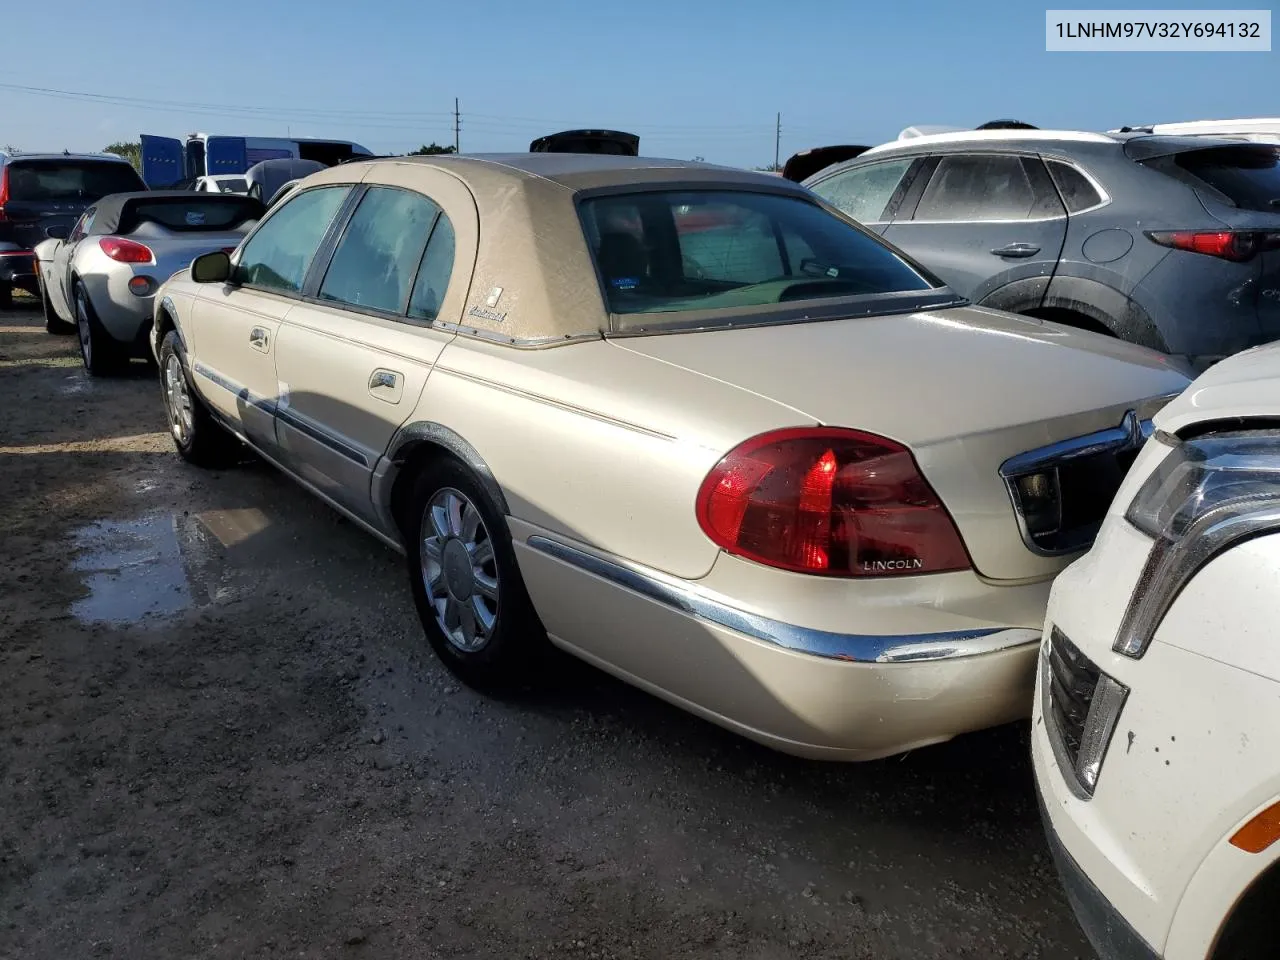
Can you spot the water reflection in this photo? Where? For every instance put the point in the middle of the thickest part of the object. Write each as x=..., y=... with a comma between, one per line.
x=160, y=565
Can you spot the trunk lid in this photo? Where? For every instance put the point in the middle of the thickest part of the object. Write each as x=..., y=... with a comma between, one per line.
x=966, y=389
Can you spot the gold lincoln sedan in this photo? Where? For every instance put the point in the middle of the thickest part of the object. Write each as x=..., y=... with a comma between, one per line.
x=687, y=423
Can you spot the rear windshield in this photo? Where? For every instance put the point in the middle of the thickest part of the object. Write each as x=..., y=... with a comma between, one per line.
x=198, y=213
x=86, y=180
x=1248, y=175
x=677, y=252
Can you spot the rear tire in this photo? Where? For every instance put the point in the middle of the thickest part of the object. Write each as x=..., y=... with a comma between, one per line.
x=6, y=296
x=52, y=322
x=197, y=436
x=102, y=354
x=466, y=584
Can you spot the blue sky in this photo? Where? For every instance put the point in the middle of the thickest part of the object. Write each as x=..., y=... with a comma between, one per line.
x=692, y=78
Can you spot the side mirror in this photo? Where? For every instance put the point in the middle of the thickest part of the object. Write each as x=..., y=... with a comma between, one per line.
x=211, y=268
x=57, y=231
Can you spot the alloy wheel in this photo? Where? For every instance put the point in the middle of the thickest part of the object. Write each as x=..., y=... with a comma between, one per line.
x=82, y=325
x=459, y=569
x=177, y=400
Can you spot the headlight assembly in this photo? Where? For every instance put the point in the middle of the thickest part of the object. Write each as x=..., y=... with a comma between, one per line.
x=1208, y=494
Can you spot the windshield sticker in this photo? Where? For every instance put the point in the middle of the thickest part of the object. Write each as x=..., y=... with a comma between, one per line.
x=195, y=218
x=624, y=283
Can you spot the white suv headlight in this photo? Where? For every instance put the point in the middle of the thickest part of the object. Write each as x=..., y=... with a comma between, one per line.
x=1208, y=494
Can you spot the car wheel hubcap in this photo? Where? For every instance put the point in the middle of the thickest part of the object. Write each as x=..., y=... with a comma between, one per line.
x=177, y=400
x=459, y=570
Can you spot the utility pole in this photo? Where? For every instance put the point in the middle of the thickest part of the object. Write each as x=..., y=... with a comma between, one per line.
x=777, y=142
x=457, y=127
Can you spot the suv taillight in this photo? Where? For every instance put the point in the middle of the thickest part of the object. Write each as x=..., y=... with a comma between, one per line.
x=1234, y=245
x=126, y=251
x=4, y=191
x=829, y=501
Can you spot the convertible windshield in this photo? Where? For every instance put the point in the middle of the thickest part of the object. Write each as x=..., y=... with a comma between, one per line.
x=677, y=252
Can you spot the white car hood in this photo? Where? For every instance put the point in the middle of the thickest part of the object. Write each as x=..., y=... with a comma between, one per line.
x=1246, y=385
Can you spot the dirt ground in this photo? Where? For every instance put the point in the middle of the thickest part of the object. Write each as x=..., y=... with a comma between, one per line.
x=222, y=735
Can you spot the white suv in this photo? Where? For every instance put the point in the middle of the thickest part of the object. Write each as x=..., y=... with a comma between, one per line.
x=1157, y=720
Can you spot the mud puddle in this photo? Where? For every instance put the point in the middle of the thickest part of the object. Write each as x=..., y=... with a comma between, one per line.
x=158, y=566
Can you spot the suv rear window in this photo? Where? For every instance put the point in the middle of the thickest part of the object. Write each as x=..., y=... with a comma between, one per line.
x=87, y=180
x=1248, y=175
x=672, y=252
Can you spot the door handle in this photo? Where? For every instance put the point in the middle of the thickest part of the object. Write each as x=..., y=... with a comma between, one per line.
x=383, y=379
x=259, y=339
x=1017, y=250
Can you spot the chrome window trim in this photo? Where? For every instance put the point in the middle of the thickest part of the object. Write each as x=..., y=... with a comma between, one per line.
x=681, y=596
x=1131, y=434
x=1170, y=566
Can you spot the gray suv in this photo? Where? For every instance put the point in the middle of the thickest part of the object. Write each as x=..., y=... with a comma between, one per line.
x=1170, y=242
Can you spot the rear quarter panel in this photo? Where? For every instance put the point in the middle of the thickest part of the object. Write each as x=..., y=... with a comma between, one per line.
x=598, y=444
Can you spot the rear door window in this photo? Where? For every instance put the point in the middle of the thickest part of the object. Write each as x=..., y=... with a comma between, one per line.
x=433, y=275
x=279, y=254
x=1077, y=192
x=977, y=187
x=864, y=192
x=87, y=180
x=377, y=257
x=1247, y=175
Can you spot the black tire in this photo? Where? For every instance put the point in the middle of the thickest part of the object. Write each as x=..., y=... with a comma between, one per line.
x=197, y=436
x=102, y=354
x=6, y=296
x=52, y=322
x=514, y=644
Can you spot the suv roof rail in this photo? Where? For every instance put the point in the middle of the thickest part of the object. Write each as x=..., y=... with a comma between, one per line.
x=982, y=136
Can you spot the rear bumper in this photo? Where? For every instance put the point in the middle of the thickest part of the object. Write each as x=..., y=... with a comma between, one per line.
x=808, y=692
x=18, y=268
x=123, y=315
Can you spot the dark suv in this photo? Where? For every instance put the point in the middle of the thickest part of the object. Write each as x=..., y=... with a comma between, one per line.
x=1170, y=242
x=41, y=190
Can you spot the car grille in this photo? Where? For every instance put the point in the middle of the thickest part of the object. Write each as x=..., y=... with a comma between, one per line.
x=1073, y=678
x=1081, y=706
x=1061, y=493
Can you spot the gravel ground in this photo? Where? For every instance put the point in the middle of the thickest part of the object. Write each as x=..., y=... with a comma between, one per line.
x=222, y=735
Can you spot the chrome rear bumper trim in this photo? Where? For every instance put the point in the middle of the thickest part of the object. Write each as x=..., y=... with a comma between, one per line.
x=856, y=647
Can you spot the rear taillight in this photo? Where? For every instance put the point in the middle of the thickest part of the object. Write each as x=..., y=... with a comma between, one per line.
x=1235, y=245
x=4, y=191
x=829, y=501
x=126, y=251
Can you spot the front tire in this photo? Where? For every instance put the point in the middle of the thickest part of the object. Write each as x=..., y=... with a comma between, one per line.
x=466, y=583
x=52, y=322
x=199, y=438
x=101, y=354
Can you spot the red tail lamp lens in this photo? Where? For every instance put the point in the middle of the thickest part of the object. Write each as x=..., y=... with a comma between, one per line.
x=829, y=501
x=126, y=251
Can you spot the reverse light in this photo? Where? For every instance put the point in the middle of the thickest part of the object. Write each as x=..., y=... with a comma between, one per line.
x=126, y=251
x=1207, y=495
x=829, y=501
x=1260, y=832
x=1234, y=245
